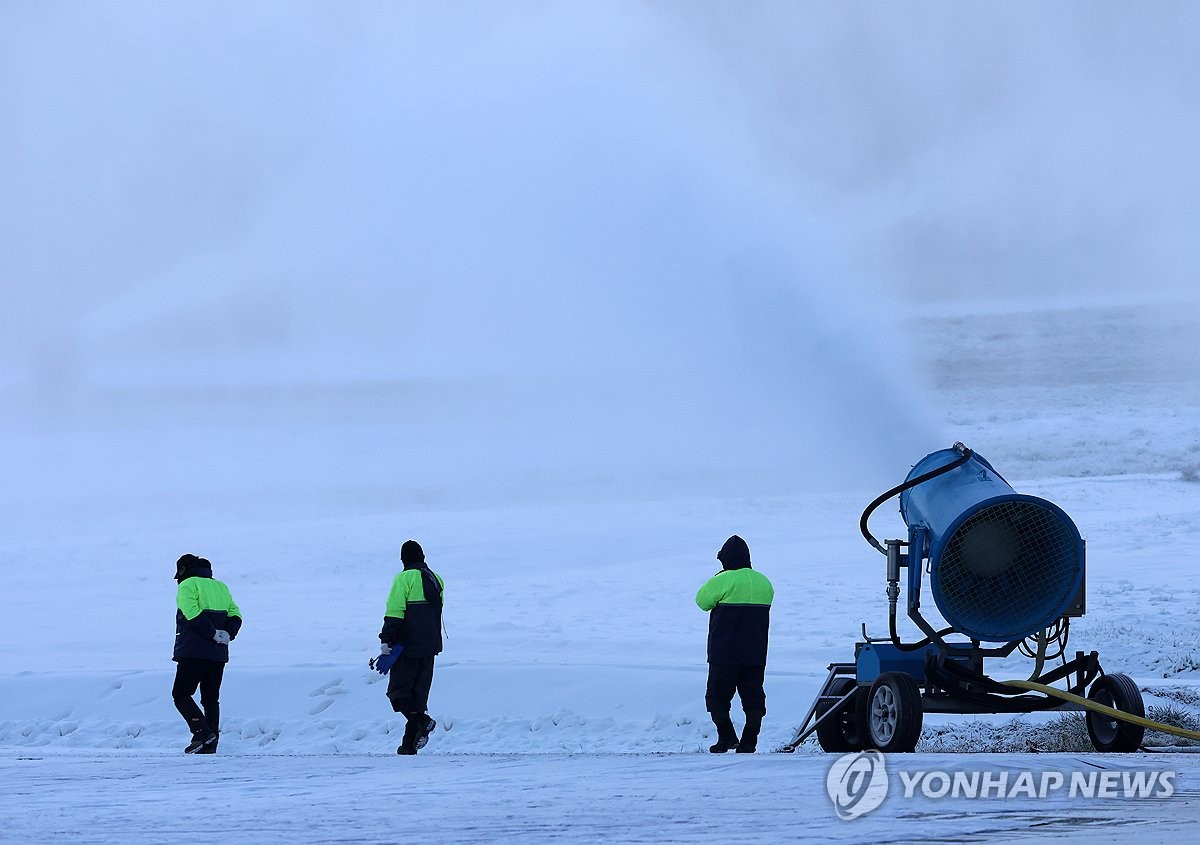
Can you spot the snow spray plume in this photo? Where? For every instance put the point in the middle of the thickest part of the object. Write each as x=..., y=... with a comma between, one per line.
x=594, y=240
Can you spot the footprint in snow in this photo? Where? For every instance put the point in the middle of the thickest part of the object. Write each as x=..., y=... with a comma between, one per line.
x=332, y=688
x=321, y=708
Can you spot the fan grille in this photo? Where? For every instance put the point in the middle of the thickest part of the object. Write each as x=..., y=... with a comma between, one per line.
x=1008, y=571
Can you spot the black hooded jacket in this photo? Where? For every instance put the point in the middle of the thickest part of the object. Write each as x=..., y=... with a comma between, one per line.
x=413, y=617
x=203, y=604
x=738, y=600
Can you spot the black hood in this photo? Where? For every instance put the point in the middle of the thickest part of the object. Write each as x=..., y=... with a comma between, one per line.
x=412, y=555
x=735, y=554
x=191, y=566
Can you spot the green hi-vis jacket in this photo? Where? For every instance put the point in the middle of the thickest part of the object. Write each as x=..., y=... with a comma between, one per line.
x=204, y=605
x=739, y=601
x=413, y=617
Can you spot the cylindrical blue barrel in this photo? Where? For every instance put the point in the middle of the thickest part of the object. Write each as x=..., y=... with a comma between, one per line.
x=1002, y=565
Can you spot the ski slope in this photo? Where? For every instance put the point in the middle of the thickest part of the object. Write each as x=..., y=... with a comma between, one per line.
x=570, y=695
x=571, y=292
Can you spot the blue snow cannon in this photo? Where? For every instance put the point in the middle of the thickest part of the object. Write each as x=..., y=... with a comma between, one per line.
x=1002, y=565
x=1007, y=573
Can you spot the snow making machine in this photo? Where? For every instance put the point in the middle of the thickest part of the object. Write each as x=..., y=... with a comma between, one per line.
x=1006, y=572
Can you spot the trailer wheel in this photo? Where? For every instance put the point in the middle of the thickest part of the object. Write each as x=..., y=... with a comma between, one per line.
x=1109, y=734
x=845, y=731
x=894, y=713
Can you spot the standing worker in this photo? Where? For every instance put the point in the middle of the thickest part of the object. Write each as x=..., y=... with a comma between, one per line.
x=738, y=601
x=410, y=639
x=206, y=622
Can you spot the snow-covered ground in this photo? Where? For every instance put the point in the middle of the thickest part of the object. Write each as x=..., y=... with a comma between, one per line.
x=569, y=697
x=571, y=292
x=150, y=797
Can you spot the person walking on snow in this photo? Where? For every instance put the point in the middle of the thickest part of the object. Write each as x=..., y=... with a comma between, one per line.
x=206, y=622
x=412, y=636
x=738, y=601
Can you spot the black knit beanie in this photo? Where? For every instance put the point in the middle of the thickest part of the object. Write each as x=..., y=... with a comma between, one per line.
x=735, y=554
x=411, y=553
x=186, y=564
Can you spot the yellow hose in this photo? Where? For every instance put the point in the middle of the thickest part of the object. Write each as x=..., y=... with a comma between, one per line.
x=1096, y=707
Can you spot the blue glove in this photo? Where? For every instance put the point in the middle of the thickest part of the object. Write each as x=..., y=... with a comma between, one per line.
x=388, y=655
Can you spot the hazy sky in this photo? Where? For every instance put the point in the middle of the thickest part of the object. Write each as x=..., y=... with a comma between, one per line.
x=487, y=183
x=721, y=202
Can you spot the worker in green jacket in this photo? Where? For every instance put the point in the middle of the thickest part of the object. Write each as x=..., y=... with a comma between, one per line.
x=738, y=601
x=410, y=639
x=206, y=622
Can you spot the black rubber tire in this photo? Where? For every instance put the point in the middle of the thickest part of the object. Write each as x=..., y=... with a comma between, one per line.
x=844, y=733
x=894, y=713
x=1112, y=735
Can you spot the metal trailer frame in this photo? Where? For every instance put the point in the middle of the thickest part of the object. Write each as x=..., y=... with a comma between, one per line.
x=1085, y=667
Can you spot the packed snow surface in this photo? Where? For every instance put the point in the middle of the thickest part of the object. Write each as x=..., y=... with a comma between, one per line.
x=570, y=293
x=569, y=698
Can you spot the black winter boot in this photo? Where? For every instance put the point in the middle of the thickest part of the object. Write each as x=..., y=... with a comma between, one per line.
x=749, y=740
x=727, y=738
x=427, y=726
x=200, y=741
x=210, y=749
x=408, y=745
